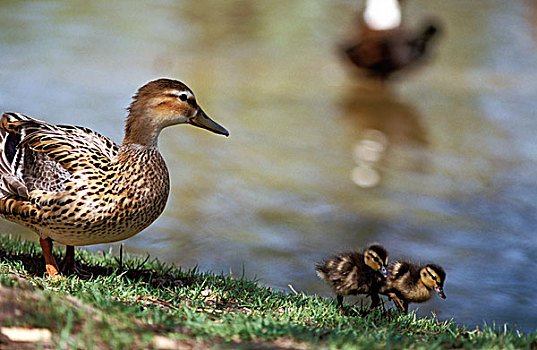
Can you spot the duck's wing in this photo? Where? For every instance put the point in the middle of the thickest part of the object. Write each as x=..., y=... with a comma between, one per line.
x=11, y=181
x=398, y=269
x=39, y=155
x=72, y=147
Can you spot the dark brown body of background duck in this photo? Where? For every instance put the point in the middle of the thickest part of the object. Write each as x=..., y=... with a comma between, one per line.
x=382, y=45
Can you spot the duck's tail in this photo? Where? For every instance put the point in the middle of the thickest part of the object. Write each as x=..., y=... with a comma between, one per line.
x=321, y=270
x=429, y=30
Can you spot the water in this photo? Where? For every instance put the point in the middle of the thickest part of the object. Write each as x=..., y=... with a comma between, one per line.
x=439, y=168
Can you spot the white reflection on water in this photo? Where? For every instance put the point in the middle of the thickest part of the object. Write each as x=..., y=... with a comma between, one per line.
x=456, y=177
x=368, y=151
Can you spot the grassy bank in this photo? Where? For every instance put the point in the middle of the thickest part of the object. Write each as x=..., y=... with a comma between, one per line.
x=139, y=304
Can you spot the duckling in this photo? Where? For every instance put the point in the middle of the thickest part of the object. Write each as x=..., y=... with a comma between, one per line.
x=353, y=273
x=382, y=45
x=410, y=283
x=77, y=187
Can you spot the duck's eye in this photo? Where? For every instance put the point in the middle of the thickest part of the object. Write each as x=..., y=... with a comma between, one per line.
x=183, y=97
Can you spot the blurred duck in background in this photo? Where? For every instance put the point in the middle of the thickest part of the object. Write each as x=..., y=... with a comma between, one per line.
x=381, y=45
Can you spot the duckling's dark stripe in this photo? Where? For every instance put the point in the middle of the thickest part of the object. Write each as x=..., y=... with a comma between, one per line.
x=433, y=277
x=376, y=259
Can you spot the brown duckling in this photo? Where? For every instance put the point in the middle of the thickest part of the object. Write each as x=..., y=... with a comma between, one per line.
x=410, y=283
x=353, y=273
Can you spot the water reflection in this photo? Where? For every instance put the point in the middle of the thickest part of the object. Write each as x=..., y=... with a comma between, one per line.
x=383, y=121
x=367, y=152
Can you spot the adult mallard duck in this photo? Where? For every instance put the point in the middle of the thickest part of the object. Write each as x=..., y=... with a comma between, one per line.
x=410, y=283
x=353, y=273
x=76, y=187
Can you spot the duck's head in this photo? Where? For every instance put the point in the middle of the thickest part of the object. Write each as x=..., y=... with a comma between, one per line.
x=376, y=257
x=161, y=103
x=433, y=277
x=382, y=14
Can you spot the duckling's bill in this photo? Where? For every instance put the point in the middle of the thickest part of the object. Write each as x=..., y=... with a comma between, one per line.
x=440, y=292
x=203, y=121
x=384, y=272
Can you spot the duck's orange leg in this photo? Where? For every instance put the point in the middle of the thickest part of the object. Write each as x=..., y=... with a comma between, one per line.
x=52, y=267
x=397, y=301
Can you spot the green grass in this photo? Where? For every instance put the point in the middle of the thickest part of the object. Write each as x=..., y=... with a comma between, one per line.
x=131, y=303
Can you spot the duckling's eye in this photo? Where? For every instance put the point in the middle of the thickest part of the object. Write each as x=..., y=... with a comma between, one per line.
x=183, y=97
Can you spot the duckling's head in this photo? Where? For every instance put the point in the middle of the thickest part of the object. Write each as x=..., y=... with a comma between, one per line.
x=161, y=103
x=376, y=257
x=433, y=277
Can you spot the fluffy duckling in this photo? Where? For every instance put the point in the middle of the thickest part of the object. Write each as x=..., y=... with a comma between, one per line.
x=353, y=273
x=410, y=283
x=382, y=45
x=77, y=187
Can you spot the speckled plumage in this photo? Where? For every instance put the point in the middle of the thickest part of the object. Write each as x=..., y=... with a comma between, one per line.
x=348, y=274
x=74, y=186
x=85, y=189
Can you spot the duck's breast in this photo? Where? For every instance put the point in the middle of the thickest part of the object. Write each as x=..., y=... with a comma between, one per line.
x=107, y=205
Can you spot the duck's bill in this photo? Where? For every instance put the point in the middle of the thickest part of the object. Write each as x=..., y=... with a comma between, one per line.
x=440, y=292
x=202, y=120
x=384, y=272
